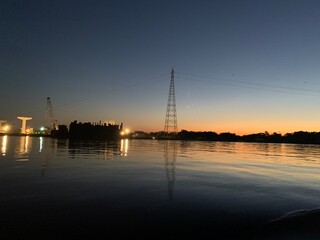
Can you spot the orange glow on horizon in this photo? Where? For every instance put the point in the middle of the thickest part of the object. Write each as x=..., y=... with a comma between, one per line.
x=245, y=128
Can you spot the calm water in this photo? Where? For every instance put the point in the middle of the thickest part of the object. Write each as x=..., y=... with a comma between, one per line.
x=150, y=188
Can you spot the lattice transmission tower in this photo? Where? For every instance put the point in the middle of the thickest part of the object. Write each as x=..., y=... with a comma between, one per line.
x=170, y=125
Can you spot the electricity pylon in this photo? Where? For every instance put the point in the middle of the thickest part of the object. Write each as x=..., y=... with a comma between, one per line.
x=170, y=125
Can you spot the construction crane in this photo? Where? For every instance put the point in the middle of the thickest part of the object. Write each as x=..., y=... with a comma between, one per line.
x=50, y=115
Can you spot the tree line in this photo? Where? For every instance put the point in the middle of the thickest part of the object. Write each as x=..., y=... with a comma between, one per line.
x=302, y=137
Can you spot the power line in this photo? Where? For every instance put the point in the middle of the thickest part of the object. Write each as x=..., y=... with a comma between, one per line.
x=145, y=82
x=249, y=85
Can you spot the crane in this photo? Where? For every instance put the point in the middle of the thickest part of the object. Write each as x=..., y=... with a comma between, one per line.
x=50, y=116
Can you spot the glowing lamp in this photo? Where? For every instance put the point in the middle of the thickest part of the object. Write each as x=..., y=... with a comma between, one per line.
x=6, y=128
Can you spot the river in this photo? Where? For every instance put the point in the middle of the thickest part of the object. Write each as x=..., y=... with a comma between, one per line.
x=54, y=188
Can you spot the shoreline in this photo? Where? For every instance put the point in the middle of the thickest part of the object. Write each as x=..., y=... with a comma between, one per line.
x=300, y=141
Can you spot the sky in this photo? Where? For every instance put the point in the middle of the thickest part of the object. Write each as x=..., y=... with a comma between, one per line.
x=240, y=66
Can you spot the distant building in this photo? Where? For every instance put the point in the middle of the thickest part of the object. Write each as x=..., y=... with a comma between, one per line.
x=94, y=131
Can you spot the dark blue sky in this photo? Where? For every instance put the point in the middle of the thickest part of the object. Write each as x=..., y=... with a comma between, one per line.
x=241, y=66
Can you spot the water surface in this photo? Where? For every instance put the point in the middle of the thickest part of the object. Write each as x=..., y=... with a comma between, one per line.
x=146, y=188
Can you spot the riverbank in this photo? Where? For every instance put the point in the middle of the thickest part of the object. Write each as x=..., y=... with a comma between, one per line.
x=300, y=137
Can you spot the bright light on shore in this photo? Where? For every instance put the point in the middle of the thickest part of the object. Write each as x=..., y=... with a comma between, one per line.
x=125, y=132
x=6, y=128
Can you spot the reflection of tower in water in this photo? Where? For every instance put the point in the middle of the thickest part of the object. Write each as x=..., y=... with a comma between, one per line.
x=24, y=144
x=170, y=157
x=23, y=148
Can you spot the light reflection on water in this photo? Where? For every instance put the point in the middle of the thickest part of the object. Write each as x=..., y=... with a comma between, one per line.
x=124, y=147
x=4, y=145
x=255, y=158
x=242, y=179
x=21, y=152
x=41, y=144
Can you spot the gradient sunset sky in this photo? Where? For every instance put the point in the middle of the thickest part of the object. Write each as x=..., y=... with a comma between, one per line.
x=241, y=66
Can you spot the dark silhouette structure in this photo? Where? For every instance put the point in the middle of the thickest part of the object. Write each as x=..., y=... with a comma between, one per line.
x=50, y=116
x=94, y=131
x=300, y=137
x=61, y=132
x=171, y=125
